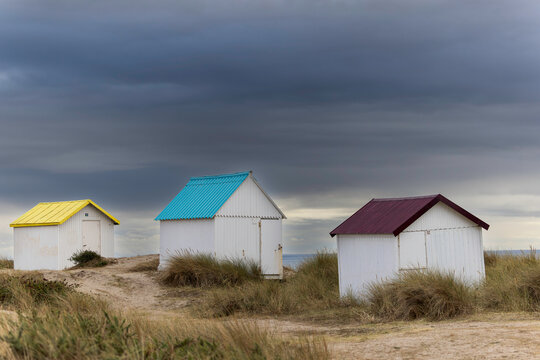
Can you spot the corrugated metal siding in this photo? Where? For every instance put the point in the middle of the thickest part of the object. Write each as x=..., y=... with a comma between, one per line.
x=458, y=251
x=35, y=248
x=192, y=235
x=440, y=216
x=237, y=237
x=364, y=259
x=249, y=201
x=202, y=197
x=70, y=235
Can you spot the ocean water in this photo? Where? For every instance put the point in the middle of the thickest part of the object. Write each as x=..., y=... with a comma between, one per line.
x=515, y=252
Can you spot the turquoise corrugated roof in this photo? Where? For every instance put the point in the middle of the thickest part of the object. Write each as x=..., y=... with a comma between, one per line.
x=202, y=197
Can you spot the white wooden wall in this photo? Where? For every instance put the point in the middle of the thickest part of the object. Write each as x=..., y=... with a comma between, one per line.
x=364, y=259
x=249, y=201
x=35, y=248
x=458, y=251
x=192, y=235
x=237, y=237
x=70, y=235
x=453, y=243
x=440, y=216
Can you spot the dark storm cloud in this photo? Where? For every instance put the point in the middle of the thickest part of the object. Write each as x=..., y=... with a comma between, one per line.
x=330, y=103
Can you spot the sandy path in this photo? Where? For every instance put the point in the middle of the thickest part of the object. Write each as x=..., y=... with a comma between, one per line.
x=120, y=286
x=486, y=337
x=498, y=339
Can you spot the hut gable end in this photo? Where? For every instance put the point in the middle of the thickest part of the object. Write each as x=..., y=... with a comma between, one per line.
x=250, y=201
x=439, y=217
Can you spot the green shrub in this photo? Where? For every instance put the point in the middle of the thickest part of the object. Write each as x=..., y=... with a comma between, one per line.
x=421, y=294
x=88, y=258
x=201, y=270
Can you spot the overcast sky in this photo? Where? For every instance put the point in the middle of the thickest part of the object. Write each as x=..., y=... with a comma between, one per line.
x=330, y=103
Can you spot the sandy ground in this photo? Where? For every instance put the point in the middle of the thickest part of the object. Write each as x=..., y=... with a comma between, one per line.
x=120, y=286
x=491, y=336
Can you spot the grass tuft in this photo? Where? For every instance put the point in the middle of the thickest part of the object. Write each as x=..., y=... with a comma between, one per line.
x=512, y=282
x=6, y=263
x=88, y=258
x=203, y=270
x=418, y=294
x=147, y=266
x=313, y=288
x=29, y=289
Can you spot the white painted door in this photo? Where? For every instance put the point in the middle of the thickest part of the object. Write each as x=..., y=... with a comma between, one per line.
x=91, y=235
x=271, y=249
x=412, y=250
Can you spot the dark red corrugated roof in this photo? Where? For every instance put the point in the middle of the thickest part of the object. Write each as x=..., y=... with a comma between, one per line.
x=392, y=216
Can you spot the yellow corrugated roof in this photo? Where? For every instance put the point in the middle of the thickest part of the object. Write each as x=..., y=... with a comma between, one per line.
x=55, y=213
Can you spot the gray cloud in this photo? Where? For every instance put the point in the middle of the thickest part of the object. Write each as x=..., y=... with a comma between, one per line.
x=330, y=104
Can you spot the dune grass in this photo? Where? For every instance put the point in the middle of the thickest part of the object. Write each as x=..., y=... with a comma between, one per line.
x=24, y=290
x=146, y=266
x=6, y=263
x=512, y=284
x=60, y=335
x=417, y=294
x=55, y=322
x=313, y=288
x=203, y=270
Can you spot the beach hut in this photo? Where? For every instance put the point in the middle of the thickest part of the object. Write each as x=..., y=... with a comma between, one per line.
x=228, y=216
x=388, y=236
x=47, y=235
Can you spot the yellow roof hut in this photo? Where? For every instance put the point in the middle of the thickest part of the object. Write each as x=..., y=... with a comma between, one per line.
x=46, y=236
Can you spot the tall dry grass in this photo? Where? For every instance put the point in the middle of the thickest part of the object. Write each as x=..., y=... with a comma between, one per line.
x=203, y=270
x=54, y=334
x=421, y=294
x=6, y=263
x=146, y=266
x=24, y=291
x=512, y=282
x=56, y=322
x=313, y=288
